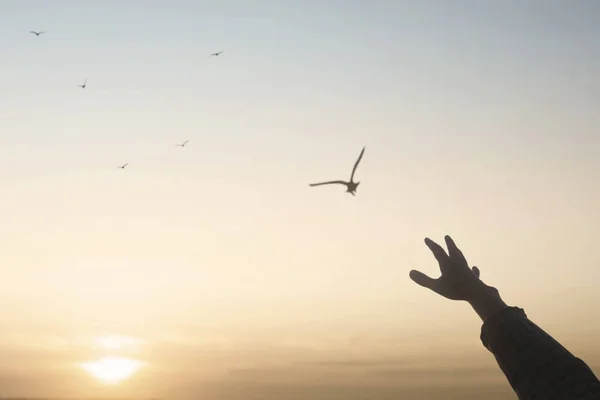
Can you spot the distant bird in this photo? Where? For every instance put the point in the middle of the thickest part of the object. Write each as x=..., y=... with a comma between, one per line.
x=37, y=33
x=84, y=84
x=351, y=185
x=123, y=166
x=217, y=53
x=182, y=144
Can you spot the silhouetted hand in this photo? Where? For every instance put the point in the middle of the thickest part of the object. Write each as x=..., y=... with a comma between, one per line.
x=459, y=281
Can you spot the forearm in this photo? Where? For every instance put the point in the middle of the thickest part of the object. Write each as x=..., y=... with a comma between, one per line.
x=535, y=364
x=487, y=301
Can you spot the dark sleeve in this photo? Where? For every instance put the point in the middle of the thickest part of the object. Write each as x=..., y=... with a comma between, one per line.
x=536, y=366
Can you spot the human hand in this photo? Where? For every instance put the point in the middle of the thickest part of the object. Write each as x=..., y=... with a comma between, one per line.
x=458, y=280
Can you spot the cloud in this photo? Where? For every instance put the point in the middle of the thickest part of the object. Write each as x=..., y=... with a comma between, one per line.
x=213, y=367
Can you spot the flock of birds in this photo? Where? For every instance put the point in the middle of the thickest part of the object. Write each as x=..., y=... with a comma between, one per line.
x=351, y=185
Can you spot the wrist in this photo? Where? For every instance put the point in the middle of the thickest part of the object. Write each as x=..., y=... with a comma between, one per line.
x=486, y=301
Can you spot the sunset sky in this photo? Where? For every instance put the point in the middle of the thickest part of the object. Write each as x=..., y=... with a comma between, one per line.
x=215, y=268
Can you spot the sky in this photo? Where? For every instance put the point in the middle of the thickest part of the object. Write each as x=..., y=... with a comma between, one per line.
x=228, y=274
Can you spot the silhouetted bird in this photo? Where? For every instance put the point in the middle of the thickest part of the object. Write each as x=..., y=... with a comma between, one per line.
x=217, y=53
x=351, y=185
x=123, y=166
x=84, y=84
x=182, y=144
x=37, y=33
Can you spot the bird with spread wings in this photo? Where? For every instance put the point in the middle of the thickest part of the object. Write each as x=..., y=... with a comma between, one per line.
x=351, y=186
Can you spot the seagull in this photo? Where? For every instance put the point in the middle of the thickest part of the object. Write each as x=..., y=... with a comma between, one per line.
x=182, y=144
x=84, y=84
x=351, y=185
x=123, y=166
x=37, y=33
x=217, y=53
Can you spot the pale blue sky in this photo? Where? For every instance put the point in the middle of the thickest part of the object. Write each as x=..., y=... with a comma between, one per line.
x=480, y=120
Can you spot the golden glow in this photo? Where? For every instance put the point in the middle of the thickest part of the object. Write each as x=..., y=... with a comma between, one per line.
x=115, y=342
x=112, y=370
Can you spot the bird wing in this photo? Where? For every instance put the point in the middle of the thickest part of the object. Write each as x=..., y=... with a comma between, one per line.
x=84, y=82
x=34, y=32
x=328, y=183
x=356, y=164
x=184, y=143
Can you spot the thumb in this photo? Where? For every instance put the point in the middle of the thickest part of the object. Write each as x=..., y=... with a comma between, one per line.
x=476, y=272
x=423, y=280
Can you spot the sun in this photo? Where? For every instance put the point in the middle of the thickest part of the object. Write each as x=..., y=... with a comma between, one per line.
x=112, y=370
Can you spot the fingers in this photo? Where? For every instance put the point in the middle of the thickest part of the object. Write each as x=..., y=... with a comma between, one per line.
x=476, y=271
x=454, y=251
x=423, y=280
x=438, y=252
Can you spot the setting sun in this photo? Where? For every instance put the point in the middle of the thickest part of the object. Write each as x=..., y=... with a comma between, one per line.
x=112, y=370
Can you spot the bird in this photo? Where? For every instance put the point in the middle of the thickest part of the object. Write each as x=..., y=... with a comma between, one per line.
x=84, y=84
x=37, y=33
x=218, y=53
x=123, y=166
x=182, y=144
x=351, y=186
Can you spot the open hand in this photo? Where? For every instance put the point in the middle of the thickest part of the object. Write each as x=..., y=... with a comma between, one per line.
x=458, y=280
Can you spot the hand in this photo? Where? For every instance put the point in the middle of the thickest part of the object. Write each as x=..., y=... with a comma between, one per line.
x=458, y=281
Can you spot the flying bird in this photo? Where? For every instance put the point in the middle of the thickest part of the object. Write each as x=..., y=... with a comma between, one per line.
x=123, y=166
x=37, y=33
x=217, y=53
x=182, y=144
x=351, y=185
x=84, y=84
